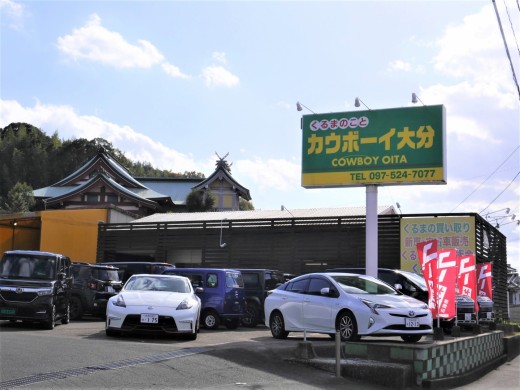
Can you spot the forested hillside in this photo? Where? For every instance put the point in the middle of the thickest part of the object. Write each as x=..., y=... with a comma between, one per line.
x=28, y=155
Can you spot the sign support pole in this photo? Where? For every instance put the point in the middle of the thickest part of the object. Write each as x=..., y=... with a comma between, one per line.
x=371, y=244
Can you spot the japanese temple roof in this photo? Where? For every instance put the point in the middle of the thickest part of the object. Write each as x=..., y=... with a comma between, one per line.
x=222, y=173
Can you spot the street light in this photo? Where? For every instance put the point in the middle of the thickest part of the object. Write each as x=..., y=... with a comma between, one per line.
x=14, y=223
x=358, y=103
x=300, y=106
x=416, y=98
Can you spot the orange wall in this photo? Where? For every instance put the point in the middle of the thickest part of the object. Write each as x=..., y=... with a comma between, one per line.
x=26, y=234
x=73, y=233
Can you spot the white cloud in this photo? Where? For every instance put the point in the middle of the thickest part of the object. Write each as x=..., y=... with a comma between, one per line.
x=95, y=43
x=69, y=124
x=174, y=71
x=220, y=56
x=14, y=12
x=475, y=50
x=278, y=174
x=400, y=65
x=215, y=76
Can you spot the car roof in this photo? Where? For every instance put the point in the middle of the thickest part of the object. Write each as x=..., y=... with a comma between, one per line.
x=157, y=276
x=202, y=269
x=115, y=263
x=32, y=253
x=98, y=266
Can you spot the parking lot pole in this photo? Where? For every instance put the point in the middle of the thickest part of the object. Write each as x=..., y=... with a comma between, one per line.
x=371, y=260
x=338, y=354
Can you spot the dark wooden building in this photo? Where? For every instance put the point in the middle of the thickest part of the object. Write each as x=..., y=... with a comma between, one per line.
x=293, y=241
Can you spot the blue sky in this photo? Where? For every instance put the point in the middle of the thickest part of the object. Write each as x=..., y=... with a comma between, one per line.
x=175, y=82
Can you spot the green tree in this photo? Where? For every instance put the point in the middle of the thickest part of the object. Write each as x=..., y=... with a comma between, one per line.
x=199, y=201
x=245, y=205
x=20, y=198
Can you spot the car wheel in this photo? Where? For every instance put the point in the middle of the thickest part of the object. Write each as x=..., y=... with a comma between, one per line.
x=252, y=316
x=210, y=320
x=49, y=324
x=76, y=308
x=66, y=317
x=347, y=326
x=111, y=332
x=232, y=323
x=277, y=326
x=411, y=338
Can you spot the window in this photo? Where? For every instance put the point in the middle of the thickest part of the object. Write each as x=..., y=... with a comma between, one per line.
x=92, y=198
x=234, y=280
x=316, y=285
x=211, y=280
x=251, y=280
x=112, y=198
x=299, y=286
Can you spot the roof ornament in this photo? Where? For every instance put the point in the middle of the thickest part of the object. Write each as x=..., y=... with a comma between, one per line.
x=222, y=163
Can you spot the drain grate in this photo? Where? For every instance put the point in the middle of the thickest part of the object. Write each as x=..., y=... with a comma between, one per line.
x=28, y=380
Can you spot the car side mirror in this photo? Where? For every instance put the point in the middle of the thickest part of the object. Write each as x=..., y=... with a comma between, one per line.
x=325, y=291
x=199, y=290
x=398, y=286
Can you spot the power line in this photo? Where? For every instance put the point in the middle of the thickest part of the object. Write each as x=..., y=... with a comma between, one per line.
x=486, y=179
x=511, y=182
x=512, y=28
x=507, y=49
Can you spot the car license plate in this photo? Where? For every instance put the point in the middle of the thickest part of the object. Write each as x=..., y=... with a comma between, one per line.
x=149, y=318
x=411, y=322
x=467, y=316
x=109, y=289
x=7, y=310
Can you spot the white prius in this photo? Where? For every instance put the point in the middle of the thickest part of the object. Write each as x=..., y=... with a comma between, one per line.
x=355, y=305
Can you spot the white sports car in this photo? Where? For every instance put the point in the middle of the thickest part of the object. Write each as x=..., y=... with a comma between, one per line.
x=154, y=304
x=356, y=305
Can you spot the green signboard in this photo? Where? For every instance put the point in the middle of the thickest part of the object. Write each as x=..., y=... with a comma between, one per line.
x=374, y=147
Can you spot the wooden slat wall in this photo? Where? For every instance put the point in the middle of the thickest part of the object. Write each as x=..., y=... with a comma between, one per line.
x=292, y=245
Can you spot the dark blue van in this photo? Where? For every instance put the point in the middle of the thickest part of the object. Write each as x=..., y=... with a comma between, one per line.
x=223, y=295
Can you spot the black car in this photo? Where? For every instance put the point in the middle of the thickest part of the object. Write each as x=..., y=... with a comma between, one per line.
x=257, y=283
x=92, y=286
x=129, y=268
x=35, y=287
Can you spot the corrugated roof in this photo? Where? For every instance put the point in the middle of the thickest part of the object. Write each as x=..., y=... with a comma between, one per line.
x=177, y=189
x=263, y=214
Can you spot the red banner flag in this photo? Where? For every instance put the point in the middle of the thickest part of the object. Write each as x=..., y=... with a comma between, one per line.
x=427, y=252
x=447, y=269
x=485, y=280
x=468, y=278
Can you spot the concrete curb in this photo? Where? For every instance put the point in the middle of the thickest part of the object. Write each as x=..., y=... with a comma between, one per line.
x=395, y=375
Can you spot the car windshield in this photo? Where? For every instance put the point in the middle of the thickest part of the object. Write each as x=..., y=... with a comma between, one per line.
x=359, y=284
x=29, y=267
x=151, y=283
x=418, y=279
x=106, y=274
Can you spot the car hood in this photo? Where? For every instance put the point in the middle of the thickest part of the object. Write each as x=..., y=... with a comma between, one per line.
x=403, y=301
x=155, y=298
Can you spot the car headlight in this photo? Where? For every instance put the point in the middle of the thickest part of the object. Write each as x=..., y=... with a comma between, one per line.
x=374, y=306
x=47, y=291
x=185, y=304
x=119, y=301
